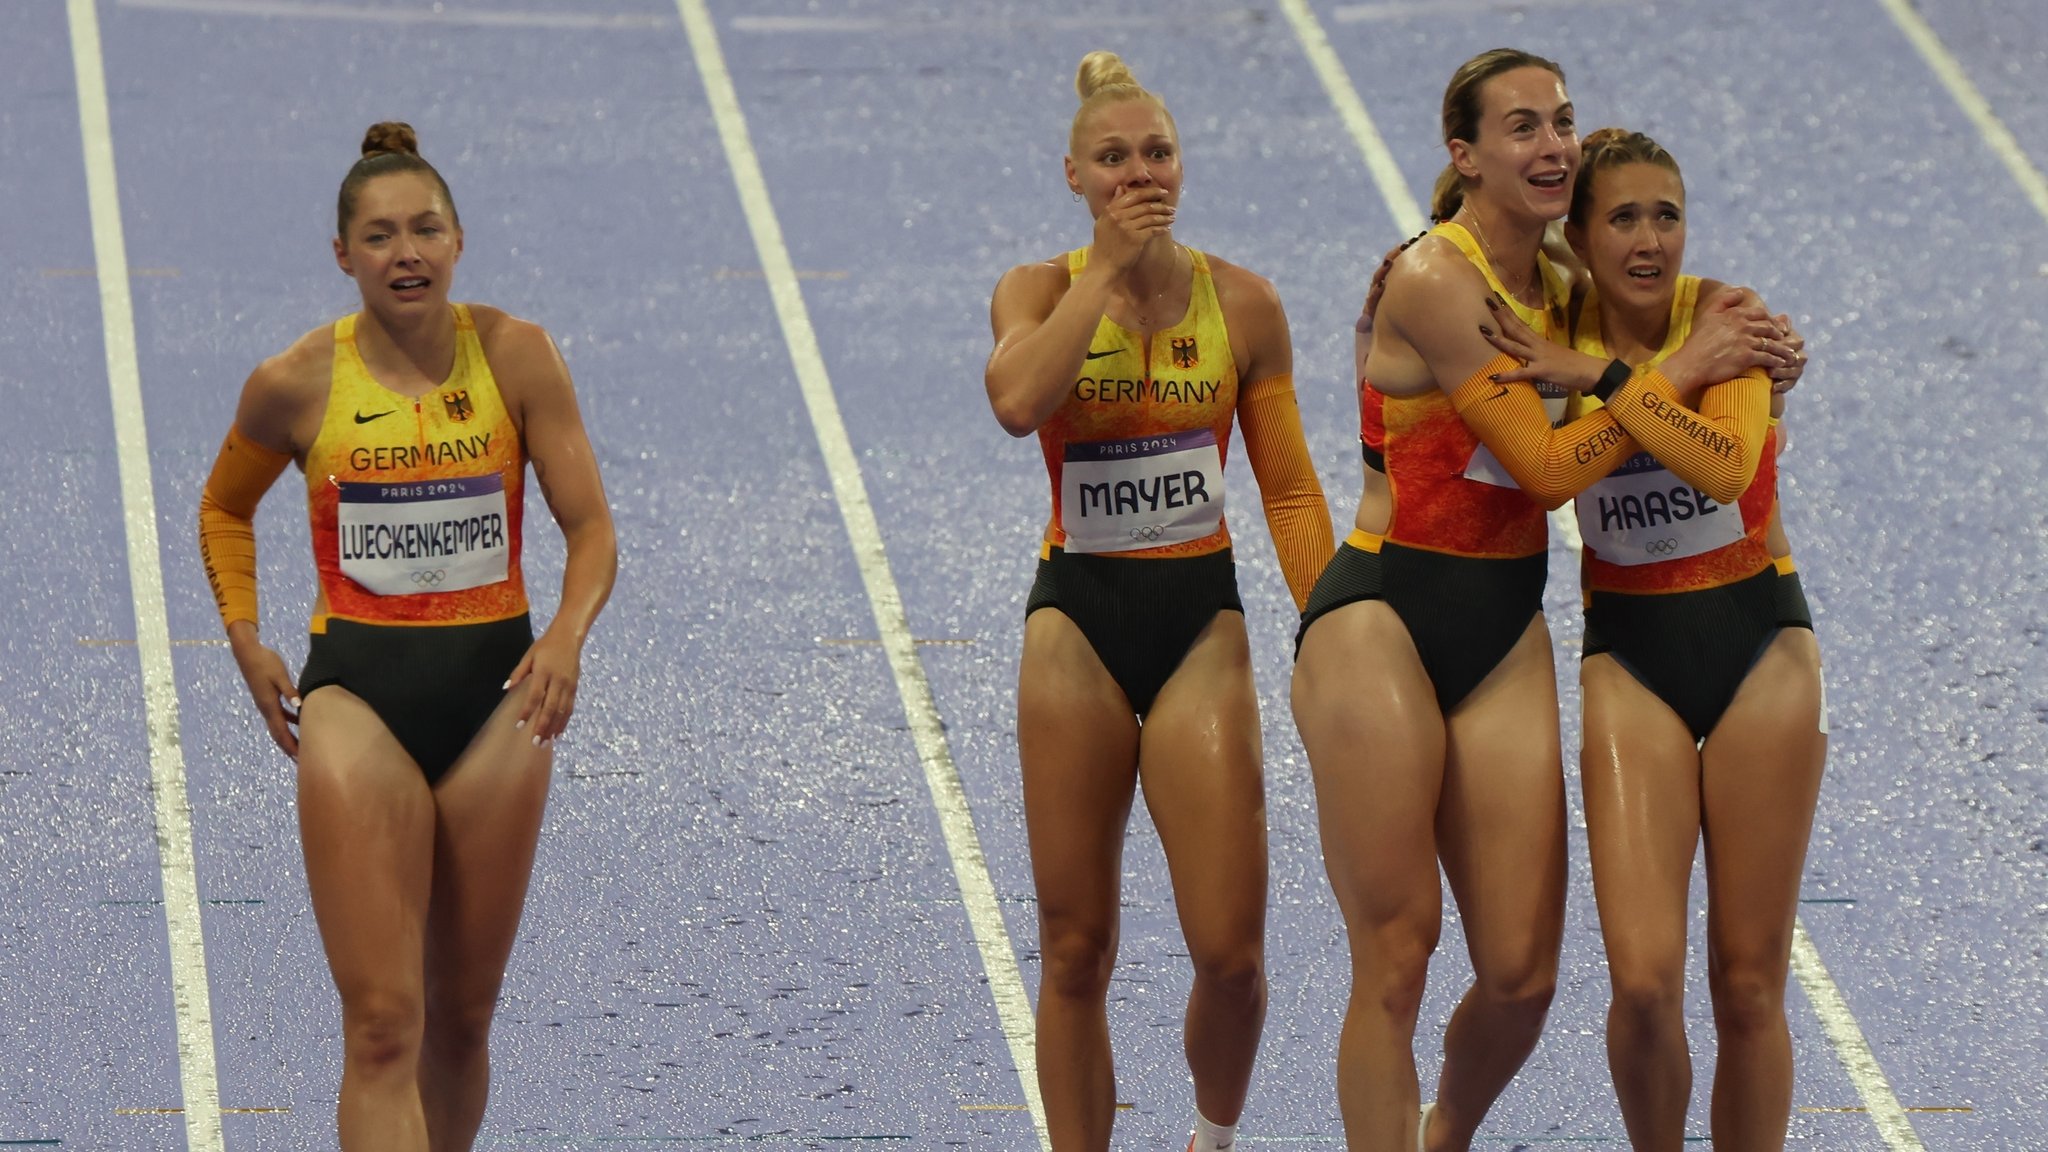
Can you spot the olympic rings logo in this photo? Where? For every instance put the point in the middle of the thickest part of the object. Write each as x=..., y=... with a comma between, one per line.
x=429, y=577
x=1661, y=547
x=1148, y=532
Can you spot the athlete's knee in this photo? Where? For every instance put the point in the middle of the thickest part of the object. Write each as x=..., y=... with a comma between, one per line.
x=1644, y=999
x=1077, y=957
x=1522, y=985
x=1749, y=999
x=459, y=1031
x=381, y=1029
x=1235, y=974
x=1390, y=964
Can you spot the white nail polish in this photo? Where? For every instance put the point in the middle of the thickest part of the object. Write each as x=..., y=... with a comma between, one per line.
x=519, y=724
x=295, y=702
x=536, y=741
x=505, y=685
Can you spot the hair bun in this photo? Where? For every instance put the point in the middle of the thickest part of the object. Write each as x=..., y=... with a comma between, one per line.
x=391, y=136
x=1101, y=69
x=1601, y=138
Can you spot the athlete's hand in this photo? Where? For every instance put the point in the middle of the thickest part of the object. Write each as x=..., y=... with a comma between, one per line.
x=1731, y=336
x=1132, y=218
x=270, y=682
x=553, y=664
x=1785, y=377
x=1542, y=360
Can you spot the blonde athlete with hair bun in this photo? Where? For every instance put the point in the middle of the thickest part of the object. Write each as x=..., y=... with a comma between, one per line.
x=1130, y=358
x=1704, y=715
x=427, y=712
x=1424, y=687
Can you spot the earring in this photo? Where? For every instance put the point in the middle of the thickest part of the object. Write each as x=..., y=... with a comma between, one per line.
x=1077, y=197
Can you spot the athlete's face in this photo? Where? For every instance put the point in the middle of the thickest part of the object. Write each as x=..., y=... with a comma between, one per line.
x=403, y=244
x=1633, y=237
x=1527, y=149
x=1125, y=144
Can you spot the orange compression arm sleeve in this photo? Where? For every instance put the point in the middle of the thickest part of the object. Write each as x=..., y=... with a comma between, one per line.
x=1551, y=465
x=1715, y=449
x=242, y=473
x=1296, y=513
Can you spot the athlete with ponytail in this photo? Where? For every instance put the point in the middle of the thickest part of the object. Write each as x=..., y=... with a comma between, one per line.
x=1704, y=714
x=427, y=711
x=1131, y=358
x=1424, y=687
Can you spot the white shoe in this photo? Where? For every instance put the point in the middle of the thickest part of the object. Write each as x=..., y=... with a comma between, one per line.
x=1422, y=1129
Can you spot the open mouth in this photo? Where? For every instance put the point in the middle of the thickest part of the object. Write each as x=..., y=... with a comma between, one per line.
x=1549, y=181
x=410, y=284
x=1645, y=272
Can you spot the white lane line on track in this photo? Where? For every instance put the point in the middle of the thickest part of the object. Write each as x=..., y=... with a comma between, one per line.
x=1954, y=78
x=1850, y=1046
x=1836, y=1019
x=949, y=798
x=193, y=1005
x=1379, y=160
x=436, y=14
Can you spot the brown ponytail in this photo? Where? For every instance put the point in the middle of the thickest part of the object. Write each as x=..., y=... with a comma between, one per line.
x=389, y=146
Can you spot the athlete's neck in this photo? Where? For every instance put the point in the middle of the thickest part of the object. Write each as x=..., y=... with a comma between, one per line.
x=1155, y=291
x=1157, y=271
x=1510, y=243
x=1634, y=333
x=409, y=355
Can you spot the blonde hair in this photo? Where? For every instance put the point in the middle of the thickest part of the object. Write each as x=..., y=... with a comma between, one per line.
x=1463, y=105
x=1103, y=79
x=1612, y=148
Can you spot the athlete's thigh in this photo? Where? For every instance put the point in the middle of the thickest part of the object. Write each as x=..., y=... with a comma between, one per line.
x=1641, y=774
x=1199, y=763
x=366, y=820
x=1500, y=825
x=488, y=818
x=1077, y=741
x=1375, y=740
x=1761, y=779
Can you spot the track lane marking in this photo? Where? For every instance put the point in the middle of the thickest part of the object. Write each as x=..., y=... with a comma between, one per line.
x=197, y=1073
x=1956, y=79
x=942, y=778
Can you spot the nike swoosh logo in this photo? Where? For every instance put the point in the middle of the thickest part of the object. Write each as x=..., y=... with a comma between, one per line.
x=1497, y=395
x=1100, y=355
x=362, y=419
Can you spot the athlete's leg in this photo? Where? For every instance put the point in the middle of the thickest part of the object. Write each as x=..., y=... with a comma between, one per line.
x=1762, y=772
x=1500, y=834
x=1078, y=743
x=366, y=819
x=1199, y=763
x=488, y=822
x=1641, y=774
x=1375, y=741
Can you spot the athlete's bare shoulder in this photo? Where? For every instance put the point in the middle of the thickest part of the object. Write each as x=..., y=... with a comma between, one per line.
x=1238, y=287
x=505, y=335
x=287, y=393
x=1431, y=269
x=1028, y=293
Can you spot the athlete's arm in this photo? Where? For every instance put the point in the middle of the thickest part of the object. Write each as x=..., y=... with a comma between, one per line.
x=1436, y=303
x=1716, y=448
x=259, y=444
x=1297, y=516
x=542, y=400
x=1043, y=323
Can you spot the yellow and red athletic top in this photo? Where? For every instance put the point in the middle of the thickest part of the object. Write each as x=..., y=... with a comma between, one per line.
x=1135, y=452
x=1451, y=492
x=416, y=502
x=1647, y=527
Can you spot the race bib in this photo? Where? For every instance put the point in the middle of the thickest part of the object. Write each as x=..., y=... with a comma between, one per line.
x=1146, y=492
x=1642, y=513
x=424, y=536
